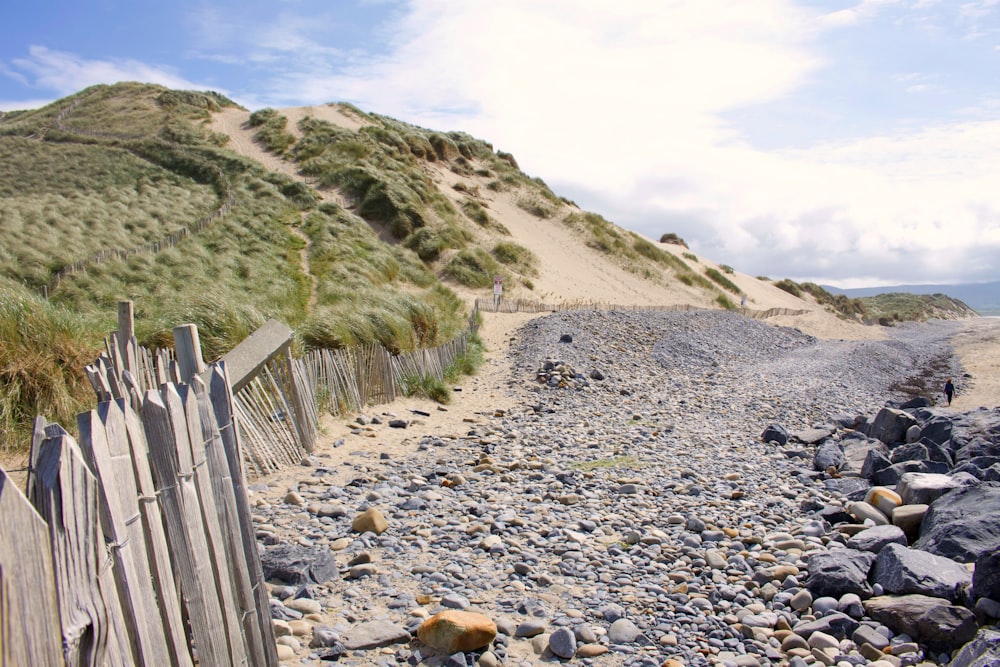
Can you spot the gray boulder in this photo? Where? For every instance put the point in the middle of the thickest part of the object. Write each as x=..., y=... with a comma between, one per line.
x=298, y=566
x=890, y=476
x=935, y=622
x=901, y=570
x=833, y=573
x=877, y=538
x=986, y=577
x=982, y=651
x=913, y=451
x=937, y=430
x=962, y=525
x=890, y=425
x=829, y=455
x=917, y=488
x=876, y=460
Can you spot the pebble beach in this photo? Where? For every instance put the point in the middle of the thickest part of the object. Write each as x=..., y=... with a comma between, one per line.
x=622, y=509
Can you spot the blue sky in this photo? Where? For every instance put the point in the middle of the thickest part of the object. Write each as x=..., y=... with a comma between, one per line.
x=849, y=142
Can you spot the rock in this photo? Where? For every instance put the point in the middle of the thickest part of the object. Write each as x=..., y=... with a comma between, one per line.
x=865, y=634
x=775, y=433
x=591, y=650
x=298, y=566
x=457, y=631
x=305, y=606
x=890, y=476
x=933, y=621
x=837, y=624
x=937, y=430
x=924, y=488
x=530, y=628
x=562, y=643
x=901, y=570
x=623, y=631
x=398, y=423
x=986, y=577
x=883, y=499
x=909, y=519
x=875, y=461
x=863, y=511
x=962, y=525
x=371, y=520
x=877, y=537
x=839, y=571
x=373, y=635
x=982, y=651
x=912, y=451
x=890, y=425
x=811, y=436
x=829, y=455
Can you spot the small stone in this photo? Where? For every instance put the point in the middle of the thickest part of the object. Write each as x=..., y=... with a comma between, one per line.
x=457, y=631
x=371, y=520
x=591, y=650
x=562, y=643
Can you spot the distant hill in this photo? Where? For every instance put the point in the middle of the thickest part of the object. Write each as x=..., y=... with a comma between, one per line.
x=984, y=298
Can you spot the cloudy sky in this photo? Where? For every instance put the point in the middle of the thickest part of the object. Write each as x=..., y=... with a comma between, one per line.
x=848, y=142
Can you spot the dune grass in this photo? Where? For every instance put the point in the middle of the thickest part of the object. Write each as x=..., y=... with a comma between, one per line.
x=716, y=276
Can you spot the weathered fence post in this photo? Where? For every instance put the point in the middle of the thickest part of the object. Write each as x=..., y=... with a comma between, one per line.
x=188, y=348
x=29, y=612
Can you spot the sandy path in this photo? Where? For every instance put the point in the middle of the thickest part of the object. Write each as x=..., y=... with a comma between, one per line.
x=978, y=349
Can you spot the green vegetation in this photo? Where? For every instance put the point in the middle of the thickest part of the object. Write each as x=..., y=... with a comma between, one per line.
x=135, y=165
x=673, y=239
x=727, y=269
x=272, y=130
x=690, y=255
x=43, y=350
x=789, y=286
x=839, y=304
x=895, y=307
x=722, y=281
x=517, y=257
x=472, y=267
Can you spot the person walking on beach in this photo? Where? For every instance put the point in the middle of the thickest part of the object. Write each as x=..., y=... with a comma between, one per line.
x=949, y=390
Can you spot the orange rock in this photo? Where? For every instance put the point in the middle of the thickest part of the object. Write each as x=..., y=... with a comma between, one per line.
x=453, y=631
x=370, y=520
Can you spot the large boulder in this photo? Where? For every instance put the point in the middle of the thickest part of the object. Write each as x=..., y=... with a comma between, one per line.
x=890, y=476
x=933, y=621
x=890, y=425
x=937, y=430
x=924, y=488
x=875, y=461
x=986, y=577
x=834, y=573
x=962, y=525
x=901, y=570
x=877, y=538
x=982, y=651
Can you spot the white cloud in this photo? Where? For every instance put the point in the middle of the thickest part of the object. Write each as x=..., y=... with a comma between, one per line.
x=66, y=73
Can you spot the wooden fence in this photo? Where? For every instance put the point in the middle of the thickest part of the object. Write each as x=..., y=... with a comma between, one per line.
x=277, y=399
x=135, y=545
